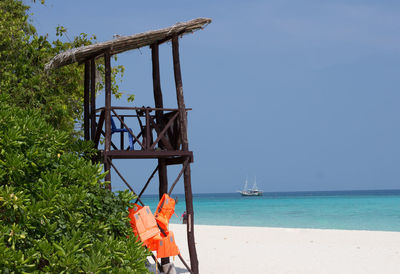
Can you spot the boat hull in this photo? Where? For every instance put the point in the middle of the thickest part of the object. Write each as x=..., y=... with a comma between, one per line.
x=251, y=194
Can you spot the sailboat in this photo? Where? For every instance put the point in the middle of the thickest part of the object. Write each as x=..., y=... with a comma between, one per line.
x=250, y=191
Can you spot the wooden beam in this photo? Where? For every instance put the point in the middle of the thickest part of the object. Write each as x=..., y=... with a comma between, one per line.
x=185, y=147
x=140, y=134
x=86, y=101
x=158, y=98
x=179, y=176
x=126, y=183
x=148, y=154
x=107, y=144
x=93, y=98
x=146, y=184
x=144, y=108
x=179, y=93
x=162, y=177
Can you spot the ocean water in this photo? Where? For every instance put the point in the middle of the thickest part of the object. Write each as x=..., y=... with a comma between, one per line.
x=354, y=210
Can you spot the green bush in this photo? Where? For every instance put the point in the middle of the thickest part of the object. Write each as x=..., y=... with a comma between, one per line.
x=54, y=216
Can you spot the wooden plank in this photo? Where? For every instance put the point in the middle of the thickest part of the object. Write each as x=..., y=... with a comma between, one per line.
x=140, y=134
x=148, y=154
x=146, y=184
x=126, y=183
x=179, y=176
x=93, y=98
x=144, y=108
x=86, y=129
x=107, y=144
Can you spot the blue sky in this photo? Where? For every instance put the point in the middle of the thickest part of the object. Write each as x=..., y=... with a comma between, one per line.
x=302, y=94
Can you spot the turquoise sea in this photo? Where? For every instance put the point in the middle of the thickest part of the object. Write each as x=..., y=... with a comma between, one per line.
x=354, y=210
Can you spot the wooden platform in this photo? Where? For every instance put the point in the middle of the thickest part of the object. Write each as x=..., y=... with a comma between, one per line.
x=174, y=155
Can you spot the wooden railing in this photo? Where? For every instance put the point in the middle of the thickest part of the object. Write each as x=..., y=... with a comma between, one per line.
x=151, y=128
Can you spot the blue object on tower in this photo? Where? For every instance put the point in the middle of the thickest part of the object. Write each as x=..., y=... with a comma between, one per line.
x=115, y=129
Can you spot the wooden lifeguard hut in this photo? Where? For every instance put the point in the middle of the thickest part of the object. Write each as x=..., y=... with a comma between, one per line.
x=158, y=133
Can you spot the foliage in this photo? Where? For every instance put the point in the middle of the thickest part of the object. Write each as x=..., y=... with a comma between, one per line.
x=23, y=54
x=54, y=216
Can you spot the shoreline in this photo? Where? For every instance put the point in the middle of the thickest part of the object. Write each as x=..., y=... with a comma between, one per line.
x=283, y=227
x=242, y=249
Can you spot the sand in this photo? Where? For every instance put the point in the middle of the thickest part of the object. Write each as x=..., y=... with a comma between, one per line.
x=228, y=249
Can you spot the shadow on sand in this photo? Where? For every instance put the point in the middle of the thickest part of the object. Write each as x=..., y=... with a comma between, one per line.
x=179, y=270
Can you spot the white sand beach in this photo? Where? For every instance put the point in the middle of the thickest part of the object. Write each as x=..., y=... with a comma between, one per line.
x=228, y=249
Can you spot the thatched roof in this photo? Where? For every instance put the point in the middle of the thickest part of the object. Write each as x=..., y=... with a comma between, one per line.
x=125, y=43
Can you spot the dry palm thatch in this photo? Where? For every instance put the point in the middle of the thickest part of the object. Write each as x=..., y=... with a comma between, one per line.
x=125, y=43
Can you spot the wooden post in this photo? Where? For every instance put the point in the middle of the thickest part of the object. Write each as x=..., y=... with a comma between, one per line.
x=179, y=93
x=86, y=101
x=158, y=100
x=93, y=98
x=107, y=144
x=185, y=146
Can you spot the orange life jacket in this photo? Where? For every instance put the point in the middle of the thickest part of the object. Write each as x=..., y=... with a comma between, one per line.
x=167, y=246
x=152, y=243
x=131, y=214
x=164, y=211
x=135, y=208
x=144, y=223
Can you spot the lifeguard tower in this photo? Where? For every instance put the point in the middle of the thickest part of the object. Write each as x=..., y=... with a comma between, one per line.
x=158, y=133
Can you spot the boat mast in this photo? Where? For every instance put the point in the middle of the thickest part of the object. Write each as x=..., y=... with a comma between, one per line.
x=255, y=183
